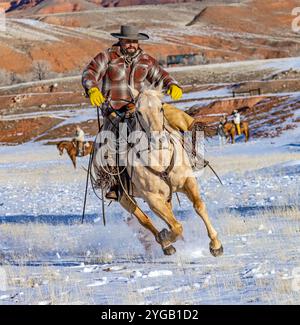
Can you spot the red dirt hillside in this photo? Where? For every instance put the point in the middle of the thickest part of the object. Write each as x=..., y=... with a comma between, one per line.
x=59, y=6
x=224, y=31
x=51, y=6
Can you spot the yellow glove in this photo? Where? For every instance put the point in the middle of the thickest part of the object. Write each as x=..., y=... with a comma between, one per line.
x=175, y=92
x=96, y=96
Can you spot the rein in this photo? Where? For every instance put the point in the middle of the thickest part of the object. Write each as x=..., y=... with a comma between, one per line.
x=89, y=174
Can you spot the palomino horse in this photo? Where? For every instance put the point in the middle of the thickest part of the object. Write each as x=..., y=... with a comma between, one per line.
x=230, y=131
x=149, y=183
x=70, y=147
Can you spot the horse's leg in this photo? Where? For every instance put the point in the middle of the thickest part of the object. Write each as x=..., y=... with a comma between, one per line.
x=246, y=132
x=192, y=192
x=164, y=210
x=146, y=222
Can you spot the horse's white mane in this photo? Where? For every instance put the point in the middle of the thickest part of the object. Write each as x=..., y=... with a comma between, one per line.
x=151, y=97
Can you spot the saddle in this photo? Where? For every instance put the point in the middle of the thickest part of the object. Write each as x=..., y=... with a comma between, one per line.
x=125, y=112
x=85, y=145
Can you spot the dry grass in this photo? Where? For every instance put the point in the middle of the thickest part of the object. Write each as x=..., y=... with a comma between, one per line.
x=48, y=286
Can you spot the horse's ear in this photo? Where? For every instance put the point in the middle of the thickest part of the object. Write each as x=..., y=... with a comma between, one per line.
x=134, y=92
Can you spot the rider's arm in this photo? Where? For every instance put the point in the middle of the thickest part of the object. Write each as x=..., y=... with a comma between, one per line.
x=94, y=71
x=157, y=74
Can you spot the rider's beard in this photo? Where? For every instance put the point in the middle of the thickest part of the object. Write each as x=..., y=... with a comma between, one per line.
x=130, y=51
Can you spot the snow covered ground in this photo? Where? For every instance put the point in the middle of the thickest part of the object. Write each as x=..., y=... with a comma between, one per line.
x=48, y=257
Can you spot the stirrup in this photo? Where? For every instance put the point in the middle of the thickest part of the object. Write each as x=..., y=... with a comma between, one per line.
x=112, y=194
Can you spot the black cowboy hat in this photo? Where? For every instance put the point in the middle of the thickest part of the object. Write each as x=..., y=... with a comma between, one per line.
x=130, y=32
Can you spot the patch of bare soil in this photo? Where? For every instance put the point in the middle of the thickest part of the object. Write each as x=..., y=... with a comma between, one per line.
x=89, y=127
x=33, y=102
x=224, y=106
x=23, y=130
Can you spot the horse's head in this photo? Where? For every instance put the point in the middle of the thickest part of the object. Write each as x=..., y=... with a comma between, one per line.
x=149, y=107
x=60, y=148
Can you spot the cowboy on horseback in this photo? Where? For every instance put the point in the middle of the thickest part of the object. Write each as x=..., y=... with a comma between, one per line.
x=126, y=65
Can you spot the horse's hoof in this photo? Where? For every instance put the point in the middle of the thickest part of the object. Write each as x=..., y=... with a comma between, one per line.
x=164, y=235
x=170, y=250
x=216, y=252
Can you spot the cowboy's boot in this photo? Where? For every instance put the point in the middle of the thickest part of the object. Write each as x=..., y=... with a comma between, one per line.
x=238, y=128
x=113, y=193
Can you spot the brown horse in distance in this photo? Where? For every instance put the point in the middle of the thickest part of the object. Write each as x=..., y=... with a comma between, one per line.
x=230, y=131
x=70, y=147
